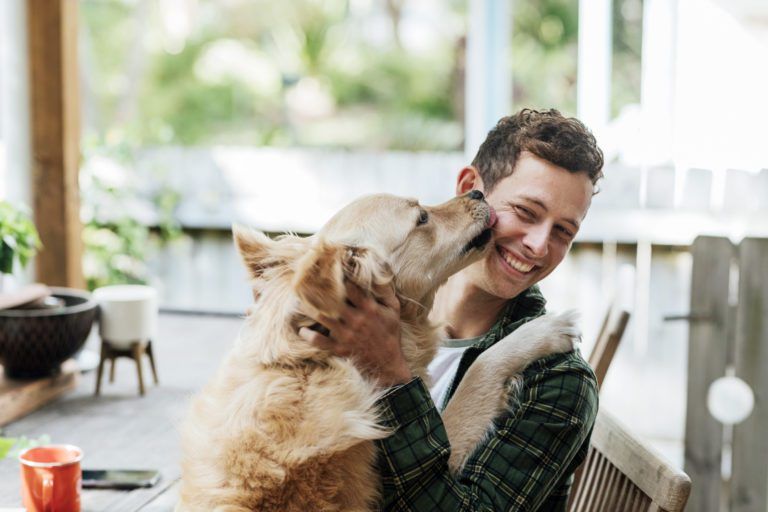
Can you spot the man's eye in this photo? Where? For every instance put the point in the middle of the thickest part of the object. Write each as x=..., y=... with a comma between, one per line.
x=564, y=234
x=423, y=218
x=524, y=212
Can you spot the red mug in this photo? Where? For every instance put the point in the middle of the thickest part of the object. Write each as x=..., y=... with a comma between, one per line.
x=51, y=478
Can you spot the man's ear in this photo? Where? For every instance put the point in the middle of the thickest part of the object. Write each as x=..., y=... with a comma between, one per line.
x=469, y=179
x=319, y=278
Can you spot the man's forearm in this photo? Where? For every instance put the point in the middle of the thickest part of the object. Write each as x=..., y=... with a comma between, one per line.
x=529, y=453
x=415, y=457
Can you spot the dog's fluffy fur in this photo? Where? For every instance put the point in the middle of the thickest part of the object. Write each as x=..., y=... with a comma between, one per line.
x=286, y=426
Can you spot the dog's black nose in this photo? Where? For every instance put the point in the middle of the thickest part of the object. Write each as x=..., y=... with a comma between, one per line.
x=476, y=194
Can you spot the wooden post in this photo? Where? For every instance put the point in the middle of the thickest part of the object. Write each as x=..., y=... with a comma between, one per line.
x=55, y=127
x=707, y=359
x=749, y=478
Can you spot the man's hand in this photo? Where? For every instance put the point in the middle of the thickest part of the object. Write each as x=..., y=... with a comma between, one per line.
x=367, y=331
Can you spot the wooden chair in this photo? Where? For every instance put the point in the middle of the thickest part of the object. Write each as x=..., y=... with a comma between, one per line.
x=608, y=339
x=621, y=474
x=611, y=332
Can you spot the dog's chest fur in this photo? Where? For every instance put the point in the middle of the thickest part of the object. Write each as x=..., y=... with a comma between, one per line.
x=284, y=426
x=285, y=437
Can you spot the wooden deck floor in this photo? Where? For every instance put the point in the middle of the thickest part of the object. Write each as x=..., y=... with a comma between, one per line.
x=120, y=429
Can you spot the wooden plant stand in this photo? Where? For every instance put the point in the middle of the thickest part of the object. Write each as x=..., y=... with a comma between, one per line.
x=135, y=352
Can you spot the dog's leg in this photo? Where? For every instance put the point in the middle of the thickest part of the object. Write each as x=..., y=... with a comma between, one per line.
x=482, y=393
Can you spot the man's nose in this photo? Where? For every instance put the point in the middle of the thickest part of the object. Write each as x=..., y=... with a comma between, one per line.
x=537, y=241
x=476, y=194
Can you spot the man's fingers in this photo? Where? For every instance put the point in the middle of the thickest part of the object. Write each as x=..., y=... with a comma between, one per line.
x=323, y=342
x=355, y=295
x=315, y=338
x=383, y=293
x=386, y=295
x=332, y=324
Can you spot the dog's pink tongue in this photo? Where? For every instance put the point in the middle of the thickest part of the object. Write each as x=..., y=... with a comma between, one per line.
x=492, y=218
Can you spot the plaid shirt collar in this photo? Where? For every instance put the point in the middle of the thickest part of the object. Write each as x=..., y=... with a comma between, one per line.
x=530, y=303
x=526, y=306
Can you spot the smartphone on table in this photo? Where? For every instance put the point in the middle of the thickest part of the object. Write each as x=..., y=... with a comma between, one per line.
x=125, y=479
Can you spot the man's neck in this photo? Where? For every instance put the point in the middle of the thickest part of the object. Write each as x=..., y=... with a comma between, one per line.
x=464, y=308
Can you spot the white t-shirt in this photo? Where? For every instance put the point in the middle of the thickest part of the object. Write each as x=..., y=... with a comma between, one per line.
x=443, y=367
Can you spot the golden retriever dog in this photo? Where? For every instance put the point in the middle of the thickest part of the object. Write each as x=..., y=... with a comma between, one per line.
x=286, y=426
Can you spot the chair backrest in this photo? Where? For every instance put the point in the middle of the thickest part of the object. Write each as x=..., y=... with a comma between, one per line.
x=614, y=325
x=622, y=474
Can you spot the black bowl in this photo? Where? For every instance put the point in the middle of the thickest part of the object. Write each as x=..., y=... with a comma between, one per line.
x=34, y=342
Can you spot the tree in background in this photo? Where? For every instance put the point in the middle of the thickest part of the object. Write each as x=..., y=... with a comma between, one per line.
x=329, y=73
x=300, y=73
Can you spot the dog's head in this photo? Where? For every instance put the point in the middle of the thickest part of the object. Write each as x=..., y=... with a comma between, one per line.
x=375, y=240
x=384, y=238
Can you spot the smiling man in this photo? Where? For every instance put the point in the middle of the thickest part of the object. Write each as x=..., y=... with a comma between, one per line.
x=538, y=170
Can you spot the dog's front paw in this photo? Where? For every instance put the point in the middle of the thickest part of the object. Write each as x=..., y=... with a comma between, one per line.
x=565, y=331
x=553, y=333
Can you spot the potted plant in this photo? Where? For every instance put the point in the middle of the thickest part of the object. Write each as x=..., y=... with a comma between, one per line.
x=19, y=240
x=36, y=337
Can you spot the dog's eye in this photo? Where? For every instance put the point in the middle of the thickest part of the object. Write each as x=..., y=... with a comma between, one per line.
x=423, y=217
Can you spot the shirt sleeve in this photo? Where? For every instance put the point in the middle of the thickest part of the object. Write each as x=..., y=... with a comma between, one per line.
x=529, y=455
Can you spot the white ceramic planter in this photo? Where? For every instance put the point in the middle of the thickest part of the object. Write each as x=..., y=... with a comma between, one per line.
x=128, y=314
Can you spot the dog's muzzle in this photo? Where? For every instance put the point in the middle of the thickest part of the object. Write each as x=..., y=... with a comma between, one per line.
x=479, y=241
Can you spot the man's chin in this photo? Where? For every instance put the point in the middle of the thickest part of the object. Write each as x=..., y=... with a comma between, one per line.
x=503, y=285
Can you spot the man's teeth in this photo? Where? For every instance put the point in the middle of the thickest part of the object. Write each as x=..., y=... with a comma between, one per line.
x=515, y=263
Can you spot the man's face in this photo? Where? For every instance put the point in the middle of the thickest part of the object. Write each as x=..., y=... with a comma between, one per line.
x=540, y=207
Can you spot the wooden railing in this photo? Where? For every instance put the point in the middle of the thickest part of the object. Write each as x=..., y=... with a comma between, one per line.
x=295, y=189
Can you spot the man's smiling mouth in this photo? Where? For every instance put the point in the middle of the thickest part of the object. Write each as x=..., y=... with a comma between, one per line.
x=514, y=262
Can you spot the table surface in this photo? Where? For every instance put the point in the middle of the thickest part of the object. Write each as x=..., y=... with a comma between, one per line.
x=122, y=430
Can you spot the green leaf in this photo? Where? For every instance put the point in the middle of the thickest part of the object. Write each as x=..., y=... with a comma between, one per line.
x=10, y=242
x=22, y=443
x=20, y=240
x=6, y=259
x=6, y=443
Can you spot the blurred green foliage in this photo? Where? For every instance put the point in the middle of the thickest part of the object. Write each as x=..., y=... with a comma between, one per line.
x=19, y=240
x=544, y=54
x=331, y=73
x=243, y=75
x=11, y=447
x=117, y=243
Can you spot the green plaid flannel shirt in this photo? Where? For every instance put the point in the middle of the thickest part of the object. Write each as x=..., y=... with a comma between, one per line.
x=526, y=463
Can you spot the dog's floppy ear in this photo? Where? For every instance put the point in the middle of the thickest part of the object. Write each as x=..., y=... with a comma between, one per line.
x=258, y=252
x=366, y=268
x=319, y=278
x=320, y=274
x=254, y=248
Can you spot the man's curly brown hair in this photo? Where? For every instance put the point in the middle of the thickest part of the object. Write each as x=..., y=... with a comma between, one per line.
x=563, y=141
